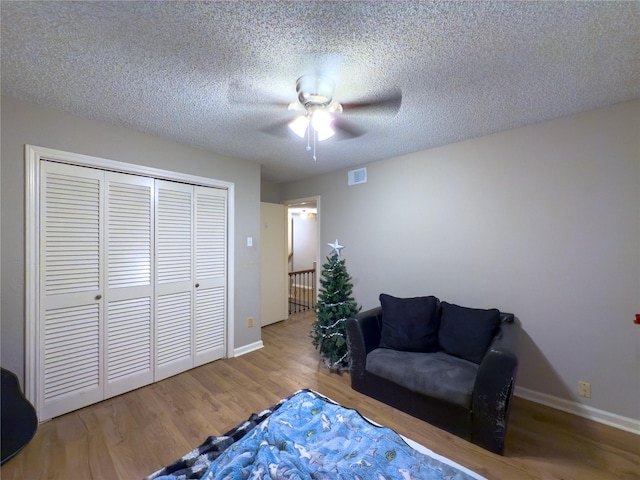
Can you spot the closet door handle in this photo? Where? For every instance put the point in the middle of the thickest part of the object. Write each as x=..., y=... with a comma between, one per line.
x=197, y=285
x=98, y=297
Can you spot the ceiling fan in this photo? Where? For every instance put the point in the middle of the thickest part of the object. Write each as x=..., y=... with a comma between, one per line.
x=320, y=115
x=315, y=99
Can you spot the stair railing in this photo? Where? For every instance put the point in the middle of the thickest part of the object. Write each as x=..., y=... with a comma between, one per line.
x=302, y=290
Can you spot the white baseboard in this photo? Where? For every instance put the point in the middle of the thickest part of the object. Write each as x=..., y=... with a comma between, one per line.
x=601, y=416
x=248, y=348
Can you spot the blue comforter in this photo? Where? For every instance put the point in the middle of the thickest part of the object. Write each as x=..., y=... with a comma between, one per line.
x=309, y=437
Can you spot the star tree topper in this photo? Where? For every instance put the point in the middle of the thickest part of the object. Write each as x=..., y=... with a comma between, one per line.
x=336, y=247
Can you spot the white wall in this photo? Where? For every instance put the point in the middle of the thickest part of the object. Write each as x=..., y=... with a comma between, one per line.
x=542, y=221
x=23, y=123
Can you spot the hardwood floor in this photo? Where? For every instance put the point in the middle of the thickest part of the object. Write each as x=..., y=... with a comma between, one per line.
x=135, y=434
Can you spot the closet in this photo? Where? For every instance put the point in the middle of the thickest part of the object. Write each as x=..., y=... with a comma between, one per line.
x=132, y=282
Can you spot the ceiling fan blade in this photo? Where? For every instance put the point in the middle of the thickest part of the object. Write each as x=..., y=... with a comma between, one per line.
x=346, y=130
x=279, y=129
x=388, y=104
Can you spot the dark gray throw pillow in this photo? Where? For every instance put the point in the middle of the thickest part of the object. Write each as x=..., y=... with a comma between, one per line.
x=467, y=332
x=409, y=324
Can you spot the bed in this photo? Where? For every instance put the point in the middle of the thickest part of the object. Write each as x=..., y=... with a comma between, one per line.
x=309, y=436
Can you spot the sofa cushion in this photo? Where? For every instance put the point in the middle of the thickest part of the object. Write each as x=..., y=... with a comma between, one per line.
x=437, y=375
x=467, y=332
x=409, y=324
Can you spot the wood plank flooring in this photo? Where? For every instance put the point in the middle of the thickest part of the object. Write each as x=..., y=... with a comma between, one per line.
x=135, y=434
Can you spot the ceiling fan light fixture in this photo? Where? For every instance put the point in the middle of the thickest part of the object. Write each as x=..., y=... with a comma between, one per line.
x=325, y=133
x=299, y=125
x=321, y=121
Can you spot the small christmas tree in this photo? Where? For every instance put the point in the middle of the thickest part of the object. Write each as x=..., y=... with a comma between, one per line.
x=335, y=305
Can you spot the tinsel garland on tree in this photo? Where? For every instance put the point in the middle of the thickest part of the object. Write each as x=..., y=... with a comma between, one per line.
x=335, y=305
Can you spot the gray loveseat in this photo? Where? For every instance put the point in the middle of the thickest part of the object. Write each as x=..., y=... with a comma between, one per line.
x=451, y=366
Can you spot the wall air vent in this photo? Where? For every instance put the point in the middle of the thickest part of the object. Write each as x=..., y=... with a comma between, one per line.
x=357, y=176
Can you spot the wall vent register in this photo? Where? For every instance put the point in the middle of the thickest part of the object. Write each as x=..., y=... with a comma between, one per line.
x=357, y=176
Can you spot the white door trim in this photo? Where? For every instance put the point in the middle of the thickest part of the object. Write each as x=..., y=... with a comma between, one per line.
x=33, y=156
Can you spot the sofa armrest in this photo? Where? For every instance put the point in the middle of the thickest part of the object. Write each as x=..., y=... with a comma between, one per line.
x=493, y=389
x=363, y=336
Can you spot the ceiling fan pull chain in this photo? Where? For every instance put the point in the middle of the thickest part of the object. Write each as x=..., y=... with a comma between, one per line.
x=314, y=144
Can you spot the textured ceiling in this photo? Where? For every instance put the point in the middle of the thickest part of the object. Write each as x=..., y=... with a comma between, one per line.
x=204, y=73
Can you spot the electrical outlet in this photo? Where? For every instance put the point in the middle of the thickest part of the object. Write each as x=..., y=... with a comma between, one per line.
x=250, y=322
x=584, y=389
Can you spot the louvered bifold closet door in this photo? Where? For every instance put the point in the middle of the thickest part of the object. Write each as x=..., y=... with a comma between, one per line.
x=174, y=278
x=211, y=274
x=129, y=282
x=71, y=334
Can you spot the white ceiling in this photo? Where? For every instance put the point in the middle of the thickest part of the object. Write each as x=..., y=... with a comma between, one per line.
x=203, y=73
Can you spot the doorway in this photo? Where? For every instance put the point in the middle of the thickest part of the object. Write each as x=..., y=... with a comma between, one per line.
x=303, y=253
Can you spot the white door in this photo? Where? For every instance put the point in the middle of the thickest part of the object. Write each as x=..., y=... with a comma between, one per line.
x=129, y=282
x=174, y=278
x=71, y=333
x=210, y=257
x=273, y=263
